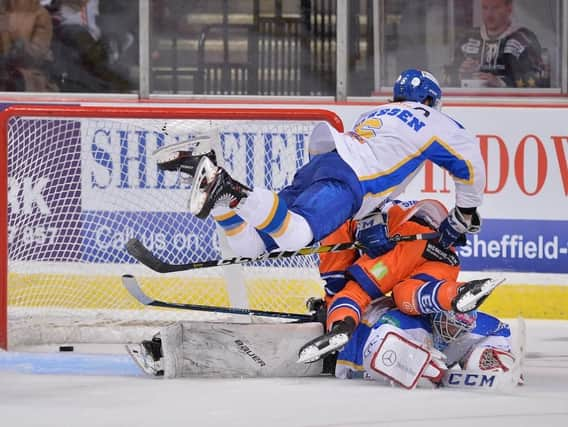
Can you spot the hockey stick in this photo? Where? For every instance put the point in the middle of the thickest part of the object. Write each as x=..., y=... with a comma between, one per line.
x=131, y=285
x=137, y=249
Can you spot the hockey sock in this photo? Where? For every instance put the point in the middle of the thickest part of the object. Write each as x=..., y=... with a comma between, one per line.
x=352, y=301
x=267, y=212
x=436, y=296
x=241, y=236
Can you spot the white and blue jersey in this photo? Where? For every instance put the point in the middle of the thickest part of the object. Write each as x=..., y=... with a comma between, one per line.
x=351, y=174
x=389, y=145
x=489, y=331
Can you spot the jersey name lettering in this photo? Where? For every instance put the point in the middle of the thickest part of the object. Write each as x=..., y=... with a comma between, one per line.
x=402, y=114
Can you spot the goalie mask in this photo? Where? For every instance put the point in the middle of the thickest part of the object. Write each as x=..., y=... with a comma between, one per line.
x=448, y=325
x=418, y=86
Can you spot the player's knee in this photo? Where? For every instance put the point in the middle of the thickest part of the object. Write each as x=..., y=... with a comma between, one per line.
x=404, y=297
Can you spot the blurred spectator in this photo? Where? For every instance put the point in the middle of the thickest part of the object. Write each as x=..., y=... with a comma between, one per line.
x=498, y=54
x=81, y=55
x=25, y=37
x=118, y=21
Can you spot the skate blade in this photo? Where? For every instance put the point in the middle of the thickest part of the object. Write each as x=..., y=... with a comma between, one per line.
x=312, y=353
x=197, y=144
x=205, y=172
x=469, y=300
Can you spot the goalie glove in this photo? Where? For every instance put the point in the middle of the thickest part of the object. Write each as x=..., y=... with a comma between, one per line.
x=453, y=228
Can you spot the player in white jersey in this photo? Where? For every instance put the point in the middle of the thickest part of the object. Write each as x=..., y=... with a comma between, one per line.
x=349, y=175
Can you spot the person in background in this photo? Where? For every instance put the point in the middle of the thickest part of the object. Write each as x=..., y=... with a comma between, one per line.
x=83, y=62
x=25, y=38
x=497, y=54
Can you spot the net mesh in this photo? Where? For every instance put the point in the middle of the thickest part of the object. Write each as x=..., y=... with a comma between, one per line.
x=79, y=188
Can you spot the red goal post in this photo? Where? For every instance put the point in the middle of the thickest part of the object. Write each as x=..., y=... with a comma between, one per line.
x=78, y=182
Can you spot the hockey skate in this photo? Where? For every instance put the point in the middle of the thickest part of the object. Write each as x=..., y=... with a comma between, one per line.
x=213, y=186
x=148, y=356
x=327, y=343
x=185, y=156
x=472, y=294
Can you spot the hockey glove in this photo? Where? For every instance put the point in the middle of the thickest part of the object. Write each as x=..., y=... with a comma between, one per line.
x=373, y=236
x=453, y=228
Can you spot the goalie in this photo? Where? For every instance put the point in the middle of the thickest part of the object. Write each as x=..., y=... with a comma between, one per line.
x=441, y=349
x=348, y=174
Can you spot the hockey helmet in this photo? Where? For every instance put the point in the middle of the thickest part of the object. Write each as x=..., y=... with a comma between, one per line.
x=449, y=325
x=418, y=86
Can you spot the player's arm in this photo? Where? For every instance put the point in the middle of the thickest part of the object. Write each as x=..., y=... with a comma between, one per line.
x=523, y=57
x=464, y=163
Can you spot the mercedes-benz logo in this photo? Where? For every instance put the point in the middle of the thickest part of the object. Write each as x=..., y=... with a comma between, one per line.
x=389, y=358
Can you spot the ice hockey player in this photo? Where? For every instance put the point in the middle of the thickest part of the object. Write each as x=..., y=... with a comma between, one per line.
x=421, y=274
x=471, y=350
x=476, y=347
x=348, y=174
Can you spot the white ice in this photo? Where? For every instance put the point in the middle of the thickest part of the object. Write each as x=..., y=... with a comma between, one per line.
x=125, y=399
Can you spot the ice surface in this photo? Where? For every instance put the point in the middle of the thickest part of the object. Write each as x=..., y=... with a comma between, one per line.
x=122, y=397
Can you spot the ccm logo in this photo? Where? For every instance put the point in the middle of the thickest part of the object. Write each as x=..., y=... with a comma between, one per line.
x=471, y=380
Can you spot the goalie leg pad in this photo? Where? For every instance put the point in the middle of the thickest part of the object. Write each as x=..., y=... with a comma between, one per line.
x=207, y=349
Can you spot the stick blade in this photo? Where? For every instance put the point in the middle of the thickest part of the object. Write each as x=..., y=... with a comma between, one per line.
x=137, y=250
x=131, y=285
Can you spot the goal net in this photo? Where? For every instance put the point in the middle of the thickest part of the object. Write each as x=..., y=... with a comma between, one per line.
x=78, y=182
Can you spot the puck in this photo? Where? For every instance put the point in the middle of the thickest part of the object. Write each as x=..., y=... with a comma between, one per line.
x=66, y=348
